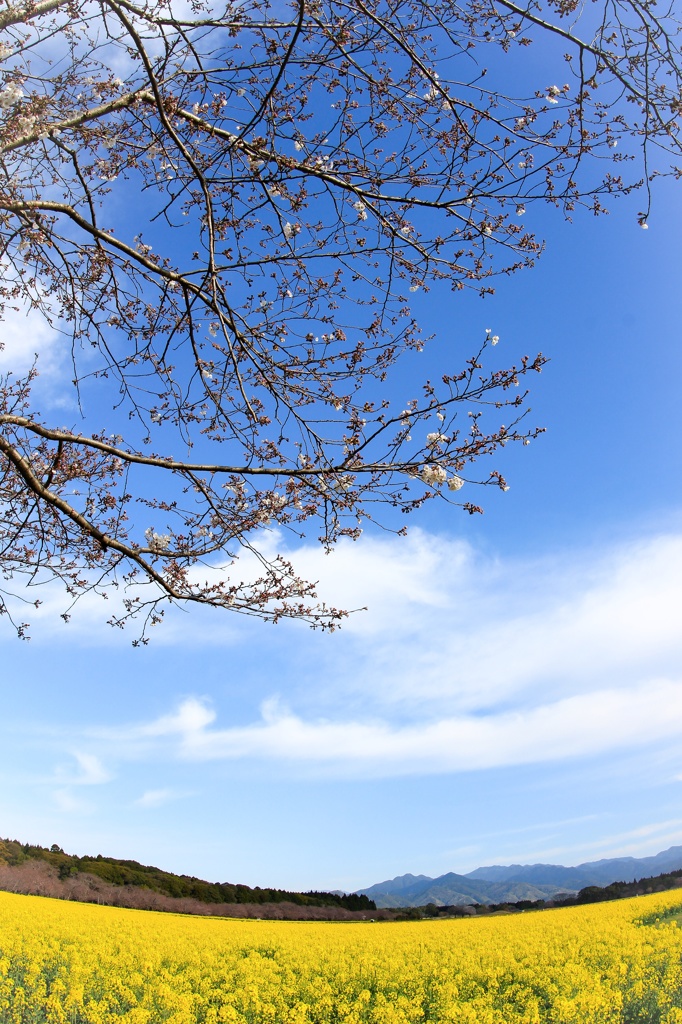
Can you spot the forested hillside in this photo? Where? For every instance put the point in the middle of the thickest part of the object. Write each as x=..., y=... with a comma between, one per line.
x=131, y=873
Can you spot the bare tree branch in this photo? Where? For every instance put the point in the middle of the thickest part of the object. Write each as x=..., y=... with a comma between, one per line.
x=225, y=215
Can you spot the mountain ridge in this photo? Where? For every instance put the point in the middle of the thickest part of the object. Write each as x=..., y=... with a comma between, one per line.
x=498, y=883
x=487, y=886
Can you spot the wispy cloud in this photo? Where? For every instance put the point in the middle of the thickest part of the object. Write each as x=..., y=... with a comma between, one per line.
x=585, y=725
x=464, y=664
x=639, y=842
x=90, y=771
x=644, y=833
x=70, y=804
x=191, y=717
x=159, y=797
x=449, y=626
x=26, y=334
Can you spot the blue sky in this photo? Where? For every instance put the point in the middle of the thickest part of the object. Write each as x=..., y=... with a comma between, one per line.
x=512, y=693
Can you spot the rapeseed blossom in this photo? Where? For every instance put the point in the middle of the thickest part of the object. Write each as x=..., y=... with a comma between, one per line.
x=69, y=963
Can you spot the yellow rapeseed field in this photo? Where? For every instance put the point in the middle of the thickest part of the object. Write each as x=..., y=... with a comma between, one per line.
x=66, y=963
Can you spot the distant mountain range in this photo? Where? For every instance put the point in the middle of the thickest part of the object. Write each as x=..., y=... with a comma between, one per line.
x=511, y=883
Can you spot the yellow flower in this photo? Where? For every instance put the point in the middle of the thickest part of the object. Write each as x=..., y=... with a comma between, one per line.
x=66, y=963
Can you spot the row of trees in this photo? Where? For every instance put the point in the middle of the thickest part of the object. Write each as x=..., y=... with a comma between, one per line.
x=131, y=873
x=223, y=214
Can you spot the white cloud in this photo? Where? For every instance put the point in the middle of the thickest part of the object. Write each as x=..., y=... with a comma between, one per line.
x=70, y=804
x=159, y=797
x=91, y=772
x=639, y=837
x=448, y=625
x=191, y=716
x=584, y=725
x=390, y=576
x=25, y=335
x=463, y=663
x=137, y=740
x=645, y=841
x=451, y=628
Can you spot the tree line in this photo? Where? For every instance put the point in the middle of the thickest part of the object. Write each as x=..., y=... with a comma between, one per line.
x=131, y=873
